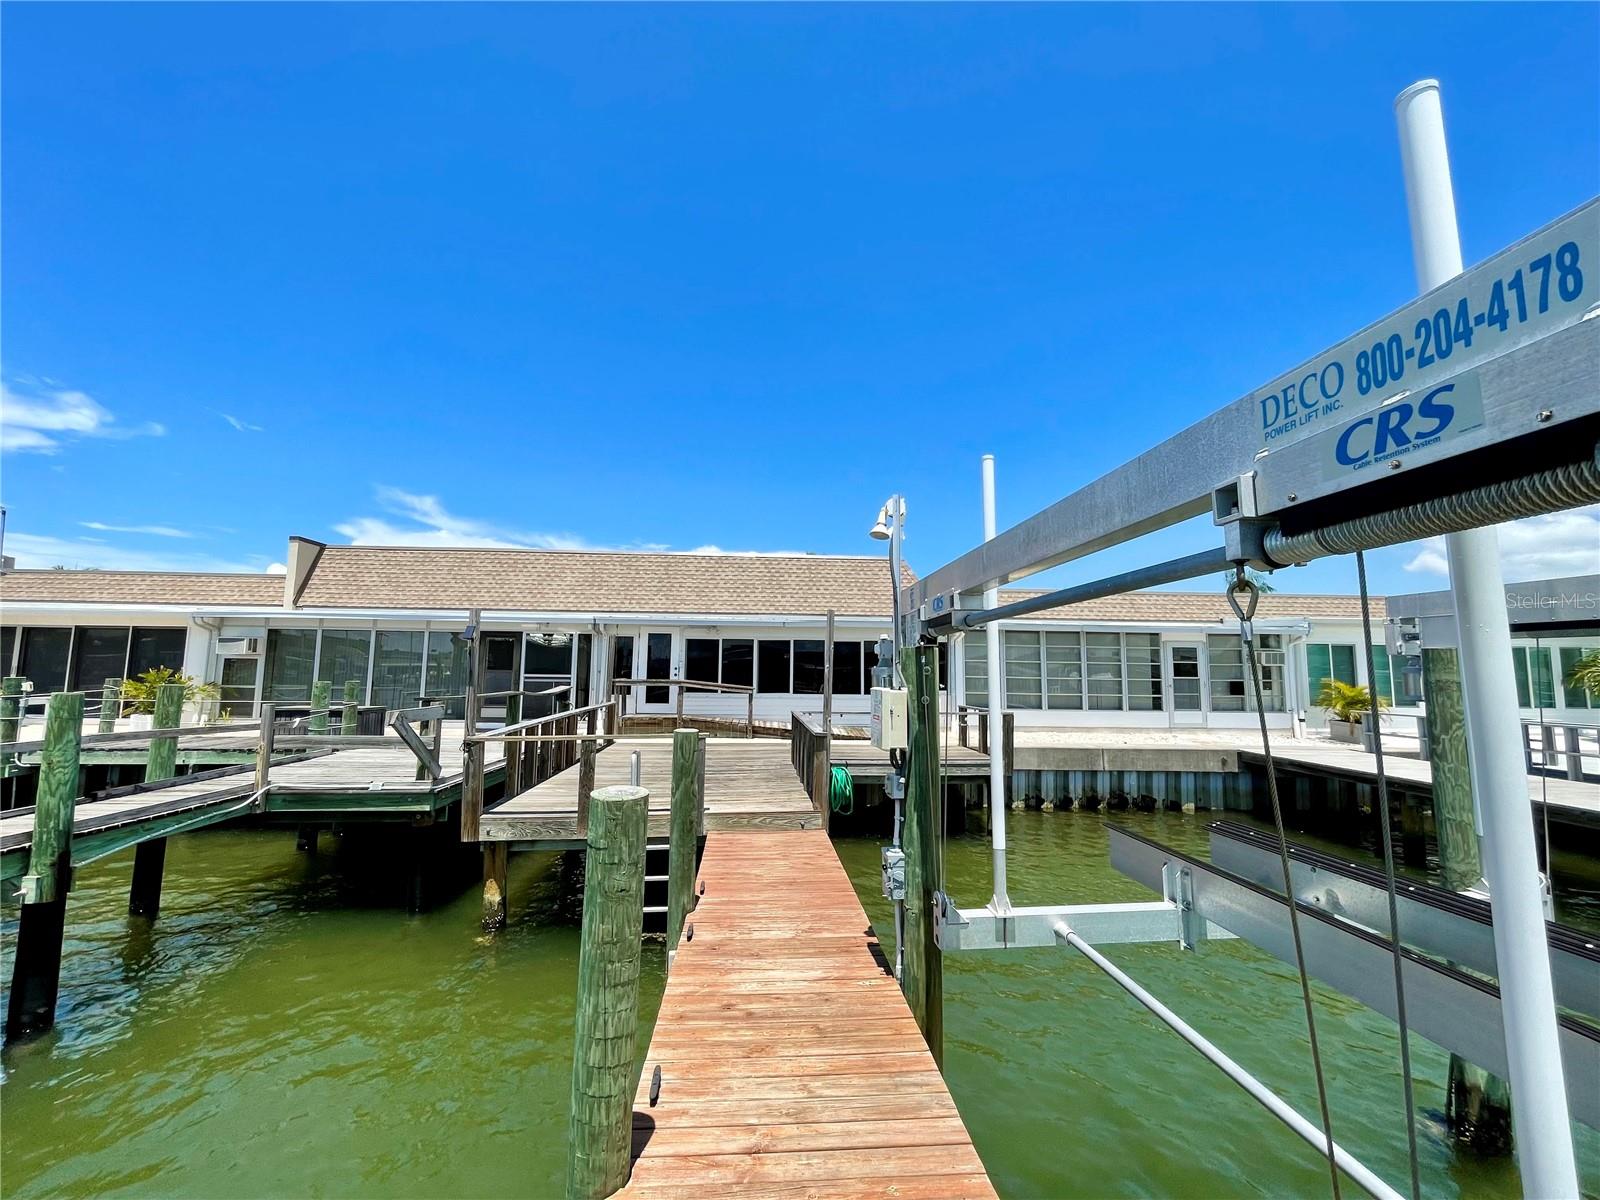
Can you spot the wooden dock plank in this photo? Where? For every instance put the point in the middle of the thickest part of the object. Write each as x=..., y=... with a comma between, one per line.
x=790, y=1063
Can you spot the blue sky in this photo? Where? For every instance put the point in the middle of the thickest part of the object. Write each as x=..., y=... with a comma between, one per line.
x=710, y=276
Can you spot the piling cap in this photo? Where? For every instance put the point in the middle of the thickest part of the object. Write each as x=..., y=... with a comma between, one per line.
x=1416, y=89
x=621, y=792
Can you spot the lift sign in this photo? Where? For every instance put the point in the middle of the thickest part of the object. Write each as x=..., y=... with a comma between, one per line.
x=1387, y=434
x=1536, y=288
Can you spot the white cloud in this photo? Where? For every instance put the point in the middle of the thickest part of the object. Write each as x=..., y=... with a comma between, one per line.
x=241, y=426
x=166, y=531
x=277, y=568
x=40, y=419
x=430, y=524
x=34, y=552
x=1564, y=543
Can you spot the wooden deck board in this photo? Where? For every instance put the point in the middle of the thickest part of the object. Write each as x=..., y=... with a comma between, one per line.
x=750, y=784
x=790, y=1063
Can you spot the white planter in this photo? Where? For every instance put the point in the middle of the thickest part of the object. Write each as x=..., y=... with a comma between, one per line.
x=140, y=721
x=1344, y=731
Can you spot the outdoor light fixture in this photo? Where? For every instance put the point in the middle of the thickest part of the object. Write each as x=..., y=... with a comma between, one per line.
x=880, y=531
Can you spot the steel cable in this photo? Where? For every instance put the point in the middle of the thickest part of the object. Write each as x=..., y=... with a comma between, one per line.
x=1389, y=881
x=1241, y=584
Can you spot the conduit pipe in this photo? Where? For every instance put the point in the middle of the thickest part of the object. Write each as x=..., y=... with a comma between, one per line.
x=998, y=764
x=1265, y=1096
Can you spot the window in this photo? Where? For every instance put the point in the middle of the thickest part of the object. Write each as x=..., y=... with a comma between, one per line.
x=657, y=665
x=1574, y=696
x=1382, y=679
x=152, y=648
x=702, y=659
x=237, y=690
x=1144, y=671
x=1103, y=670
x=847, y=669
x=772, y=666
x=397, y=668
x=976, y=652
x=1063, y=670
x=99, y=655
x=45, y=654
x=1024, y=672
x=622, y=656
x=548, y=656
x=808, y=667
x=8, y=648
x=1328, y=661
x=446, y=679
x=1231, y=688
x=344, y=659
x=1535, y=682
x=291, y=653
x=739, y=661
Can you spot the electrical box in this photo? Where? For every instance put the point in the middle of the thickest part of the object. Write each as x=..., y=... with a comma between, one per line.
x=894, y=873
x=889, y=718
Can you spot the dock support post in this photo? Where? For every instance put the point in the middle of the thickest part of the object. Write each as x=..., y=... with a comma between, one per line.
x=321, y=697
x=586, y=754
x=110, y=701
x=1477, y=1104
x=349, y=723
x=496, y=858
x=681, y=848
x=1008, y=750
x=824, y=800
x=923, y=978
x=513, y=753
x=162, y=760
x=607, y=1026
x=36, y=971
x=269, y=718
x=149, y=866
x=10, y=716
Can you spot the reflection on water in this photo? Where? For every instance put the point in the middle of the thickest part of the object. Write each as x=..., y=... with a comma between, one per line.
x=288, y=1030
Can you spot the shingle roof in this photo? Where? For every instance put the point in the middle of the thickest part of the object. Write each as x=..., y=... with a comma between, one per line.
x=140, y=587
x=596, y=581
x=1195, y=606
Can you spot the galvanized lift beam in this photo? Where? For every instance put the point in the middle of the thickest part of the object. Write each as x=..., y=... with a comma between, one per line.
x=1536, y=374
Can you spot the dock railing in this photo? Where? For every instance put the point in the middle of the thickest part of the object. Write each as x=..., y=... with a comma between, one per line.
x=535, y=750
x=680, y=687
x=1557, y=749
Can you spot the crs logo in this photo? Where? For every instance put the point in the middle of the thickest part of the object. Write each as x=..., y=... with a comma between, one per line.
x=1396, y=426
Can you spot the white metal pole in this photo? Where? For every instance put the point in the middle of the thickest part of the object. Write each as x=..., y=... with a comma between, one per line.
x=1494, y=728
x=998, y=766
x=897, y=512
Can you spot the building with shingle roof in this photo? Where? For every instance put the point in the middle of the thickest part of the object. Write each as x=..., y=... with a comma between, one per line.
x=389, y=617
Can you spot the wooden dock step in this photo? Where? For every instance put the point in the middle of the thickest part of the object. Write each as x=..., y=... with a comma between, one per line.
x=790, y=1064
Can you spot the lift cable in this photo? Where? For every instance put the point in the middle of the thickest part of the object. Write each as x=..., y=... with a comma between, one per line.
x=1389, y=880
x=1242, y=585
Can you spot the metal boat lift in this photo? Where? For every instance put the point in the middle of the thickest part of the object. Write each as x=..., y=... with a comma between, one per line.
x=1379, y=440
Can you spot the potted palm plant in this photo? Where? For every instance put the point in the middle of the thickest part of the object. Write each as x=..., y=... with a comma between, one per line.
x=139, y=696
x=1585, y=673
x=1348, y=706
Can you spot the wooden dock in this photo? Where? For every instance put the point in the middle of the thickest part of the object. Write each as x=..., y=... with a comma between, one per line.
x=750, y=784
x=353, y=784
x=790, y=1062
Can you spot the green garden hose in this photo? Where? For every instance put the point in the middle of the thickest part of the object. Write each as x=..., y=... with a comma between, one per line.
x=841, y=791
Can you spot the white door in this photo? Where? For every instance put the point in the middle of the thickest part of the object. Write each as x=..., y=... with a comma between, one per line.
x=1186, y=684
x=653, y=659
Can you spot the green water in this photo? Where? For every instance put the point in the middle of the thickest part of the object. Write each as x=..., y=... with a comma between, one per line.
x=289, y=1030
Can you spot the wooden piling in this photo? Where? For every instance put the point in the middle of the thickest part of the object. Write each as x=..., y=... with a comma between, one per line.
x=269, y=717
x=162, y=758
x=681, y=850
x=36, y=971
x=350, y=723
x=605, y=1033
x=321, y=697
x=586, y=753
x=496, y=858
x=10, y=716
x=923, y=977
x=1477, y=1103
x=826, y=804
x=149, y=866
x=110, y=702
x=514, y=753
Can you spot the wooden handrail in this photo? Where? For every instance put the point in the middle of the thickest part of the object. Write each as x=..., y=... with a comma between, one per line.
x=503, y=732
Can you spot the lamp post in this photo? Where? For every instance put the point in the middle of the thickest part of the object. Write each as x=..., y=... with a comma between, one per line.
x=890, y=527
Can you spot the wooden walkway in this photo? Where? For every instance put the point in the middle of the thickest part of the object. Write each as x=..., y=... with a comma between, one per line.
x=352, y=784
x=750, y=784
x=790, y=1063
